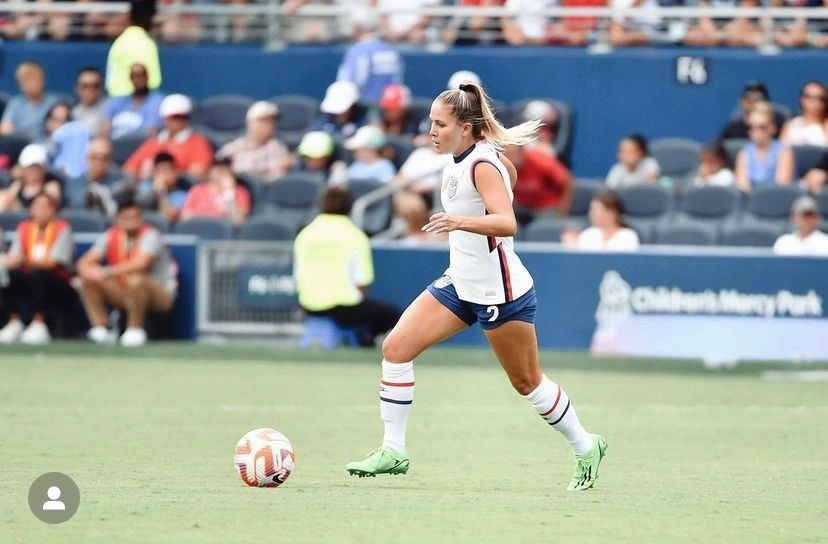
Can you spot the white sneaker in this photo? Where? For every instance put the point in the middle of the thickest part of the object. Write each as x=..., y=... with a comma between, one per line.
x=134, y=337
x=100, y=335
x=11, y=332
x=36, y=334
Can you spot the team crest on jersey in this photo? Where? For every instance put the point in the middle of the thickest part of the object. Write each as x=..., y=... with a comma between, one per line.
x=451, y=188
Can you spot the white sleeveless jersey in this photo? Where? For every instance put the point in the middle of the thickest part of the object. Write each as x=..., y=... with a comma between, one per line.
x=483, y=269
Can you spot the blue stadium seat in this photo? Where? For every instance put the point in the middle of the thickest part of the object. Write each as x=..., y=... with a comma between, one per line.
x=420, y=108
x=583, y=189
x=222, y=113
x=4, y=99
x=293, y=197
x=678, y=157
x=563, y=138
x=733, y=146
x=85, y=220
x=401, y=147
x=378, y=214
x=711, y=203
x=548, y=229
x=124, y=147
x=686, y=234
x=822, y=200
x=158, y=221
x=644, y=227
x=261, y=228
x=296, y=113
x=772, y=202
x=9, y=220
x=206, y=228
x=324, y=331
x=646, y=200
x=750, y=235
x=806, y=157
x=11, y=145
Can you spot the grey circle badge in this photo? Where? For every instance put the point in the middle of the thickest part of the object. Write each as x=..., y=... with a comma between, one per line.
x=54, y=497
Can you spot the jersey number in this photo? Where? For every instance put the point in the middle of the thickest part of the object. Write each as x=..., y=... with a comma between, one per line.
x=494, y=311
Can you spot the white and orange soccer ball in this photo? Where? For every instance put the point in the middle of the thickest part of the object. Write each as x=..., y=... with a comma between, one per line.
x=264, y=458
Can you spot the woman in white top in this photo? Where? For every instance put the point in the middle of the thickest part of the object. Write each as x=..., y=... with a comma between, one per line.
x=811, y=127
x=713, y=169
x=635, y=165
x=608, y=232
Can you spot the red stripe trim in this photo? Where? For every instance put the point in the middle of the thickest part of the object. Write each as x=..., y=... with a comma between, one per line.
x=474, y=165
x=504, y=272
x=554, y=405
x=392, y=384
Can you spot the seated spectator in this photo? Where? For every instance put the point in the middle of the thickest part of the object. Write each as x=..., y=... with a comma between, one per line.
x=316, y=152
x=399, y=23
x=127, y=268
x=259, y=153
x=713, y=169
x=93, y=191
x=89, y=108
x=607, y=231
x=333, y=269
x=811, y=126
x=367, y=145
x=706, y=32
x=743, y=31
x=38, y=264
x=764, y=160
x=574, y=31
x=635, y=165
x=806, y=239
x=754, y=94
x=415, y=214
x=219, y=196
x=817, y=177
x=526, y=27
x=636, y=29
x=192, y=152
x=421, y=174
x=545, y=184
x=548, y=132
x=165, y=192
x=395, y=117
x=25, y=113
x=136, y=113
x=33, y=180
x=370, y=62
x=68, y=141
x=475, y=30
x=342, y=113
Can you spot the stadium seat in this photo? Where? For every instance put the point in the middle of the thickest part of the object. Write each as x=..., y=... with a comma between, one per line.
x=733, y=146
x=324, y=331
x=293, y=197
x=822, y=200
x=291, y=138
x=85, y=220
x=9, y=220
x=644, y=227
x=378, y=214
x=296, y=113
x=646, y=200
x=223, y=113
x=806, y=157
x=263, y=228
x=711, y=203
x=124, y=147
x=158, y=221
x=401, y=146
x=4, y=99
x=206, y=228
x=772, y=202
x=563, y=138
x=686, y=234
x=750, y=235
x=420, y=108
x=10, y=146
x=583, y=189
x=678, y=157
x=548, y=229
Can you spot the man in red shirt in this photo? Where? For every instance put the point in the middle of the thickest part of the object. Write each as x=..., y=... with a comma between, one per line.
x=192, y=152
x=544, y=183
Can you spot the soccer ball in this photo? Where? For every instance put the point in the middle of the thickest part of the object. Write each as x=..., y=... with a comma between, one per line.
x=264, y=458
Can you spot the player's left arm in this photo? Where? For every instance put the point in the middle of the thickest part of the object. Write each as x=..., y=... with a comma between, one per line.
x=509, y=168
x=499, y=222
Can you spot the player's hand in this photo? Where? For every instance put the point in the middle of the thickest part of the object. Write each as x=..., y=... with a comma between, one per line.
x=443, y=222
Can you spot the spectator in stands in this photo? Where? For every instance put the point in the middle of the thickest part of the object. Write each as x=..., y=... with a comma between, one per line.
x=765, y=159
x=476, y=30
x=400, y=21
x=713, y=167
x=180, y=27
x=89, y=107
x=811, y=126
x=137, y=113
x=743, y=31
x=607, y=231
x=526, y=26
x=165, y=192
x=636, y=29
x=192, y=152
x=130, y=269
x=38, y=264
x=415, y=213
x=755, y=94
x=806, y=239
x=316, y=152
x=462, y=76
x=33, y=180
x=333, y=269
x=93, y=191
x=545, y=184
x=67, y=141
x=134, y=46
x=420, y=175
x=342, y=112
x=219, y=196
x=395, y=117
x=370, y=63
x=817, y=177
x=574, y=31
x=369, y=164
x=635, y=165
x=259, y=153
x=548, y=115
x=25, y=113
x=705, y=32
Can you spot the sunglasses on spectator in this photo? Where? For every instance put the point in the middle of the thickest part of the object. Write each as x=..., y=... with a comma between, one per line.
x=90, y=85
x=813, y=96
x=98, y=157
x=757, y=127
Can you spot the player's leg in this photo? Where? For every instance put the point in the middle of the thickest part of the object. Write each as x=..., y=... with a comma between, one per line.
x=515, y=346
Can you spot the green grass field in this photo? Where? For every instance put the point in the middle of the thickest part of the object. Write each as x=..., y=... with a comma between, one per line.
x=148, y=436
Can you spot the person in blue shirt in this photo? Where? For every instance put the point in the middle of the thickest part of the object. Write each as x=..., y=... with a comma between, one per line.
x=370, y=63
x=342, y=114
x=68, y=141
x=26, y=112
x=136, y=114
x=369, y=164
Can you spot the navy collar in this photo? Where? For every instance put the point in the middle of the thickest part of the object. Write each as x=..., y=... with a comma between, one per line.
x=459, y=158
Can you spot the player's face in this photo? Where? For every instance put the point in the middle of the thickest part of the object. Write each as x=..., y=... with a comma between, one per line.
x=446, y=131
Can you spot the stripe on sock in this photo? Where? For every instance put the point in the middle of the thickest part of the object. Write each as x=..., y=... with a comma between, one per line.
x=553, y=423
x=394, y=401
x=398, y=384
x=554, y=404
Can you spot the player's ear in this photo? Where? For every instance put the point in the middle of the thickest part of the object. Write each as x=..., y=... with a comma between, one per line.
x=467, y=128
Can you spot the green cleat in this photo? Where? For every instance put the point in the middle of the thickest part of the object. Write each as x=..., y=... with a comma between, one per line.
x=380, y=461
x=586, y=466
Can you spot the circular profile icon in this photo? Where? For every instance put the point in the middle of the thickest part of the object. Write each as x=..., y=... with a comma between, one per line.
x=54, y=497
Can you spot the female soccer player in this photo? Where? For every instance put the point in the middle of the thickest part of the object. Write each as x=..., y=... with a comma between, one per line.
x=485, y=282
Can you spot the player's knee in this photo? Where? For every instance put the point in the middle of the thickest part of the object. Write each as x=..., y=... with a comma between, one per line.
x=395, y=351
x=524, y=383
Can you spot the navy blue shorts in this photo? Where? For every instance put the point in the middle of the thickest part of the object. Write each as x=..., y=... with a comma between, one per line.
x=489, y=316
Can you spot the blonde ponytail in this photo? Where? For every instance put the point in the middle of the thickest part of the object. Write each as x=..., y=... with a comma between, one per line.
x=470, y=104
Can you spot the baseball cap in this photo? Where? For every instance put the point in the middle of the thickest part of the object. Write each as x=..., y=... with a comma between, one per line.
x=367, y=137
x=175, y=104
x=316, y=145
x=755, y=90
x=33, y=155
x=261, y=110
x=339, y=97
x=804, y=204
x=395, y=97
x=538, y=109
x=462, y=76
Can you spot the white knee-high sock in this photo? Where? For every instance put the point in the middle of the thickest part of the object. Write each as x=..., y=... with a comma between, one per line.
x=553, y=405
x=396, y=396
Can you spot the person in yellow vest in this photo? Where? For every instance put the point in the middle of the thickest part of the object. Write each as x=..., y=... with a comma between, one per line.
x=133, y=46
x=130, y=269
x=37, y=271
x=332, y=267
